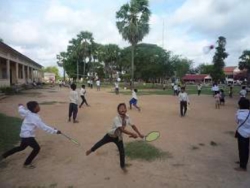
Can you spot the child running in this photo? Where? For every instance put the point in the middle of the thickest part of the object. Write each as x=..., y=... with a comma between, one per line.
x=73, y=108
x=115, y=134
x=82, y=94
x=31, y=122
x=134, y=100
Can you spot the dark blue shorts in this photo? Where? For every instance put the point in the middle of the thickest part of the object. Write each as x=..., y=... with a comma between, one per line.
x=133, y=101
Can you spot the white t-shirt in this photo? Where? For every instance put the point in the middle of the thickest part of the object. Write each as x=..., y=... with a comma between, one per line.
x=134, y=95
x=73, y=97
x=31, y=122
x=98, y=83
x=116, y=85
x=183, y=96
x=117, y=123
x=241, y=116
x=82, y=92
x=243, y=93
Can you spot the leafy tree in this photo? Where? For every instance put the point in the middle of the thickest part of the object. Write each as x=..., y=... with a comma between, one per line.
x=110, y=55
x=218, y=60
x=61, y=62
x=52, y=69
x=1, y=40
x=205, y=68
x=152, y=63
x=244, y=63
x=132, y=24
x=181, y=66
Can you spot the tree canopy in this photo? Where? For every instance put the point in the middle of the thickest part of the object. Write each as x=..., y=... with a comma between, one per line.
x=218, y=60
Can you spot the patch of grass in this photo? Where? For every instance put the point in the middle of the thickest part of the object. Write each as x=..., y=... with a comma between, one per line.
x=53, y=185
x=194, y=148
x=232, y=133
x=52, y=91
x=145, y=151
x=9, y=131
x=212, y=143
x=51, y=102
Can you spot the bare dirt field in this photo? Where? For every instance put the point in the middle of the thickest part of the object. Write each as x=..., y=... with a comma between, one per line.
x=201, y=144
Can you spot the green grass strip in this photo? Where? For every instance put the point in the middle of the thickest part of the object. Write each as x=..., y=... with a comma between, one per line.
x=9, y=131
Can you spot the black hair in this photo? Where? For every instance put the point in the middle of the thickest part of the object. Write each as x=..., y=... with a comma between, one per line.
x=244, y=103
x=121, y=104
x=73, y=86
x=135, y=90
x=31, y=105
x=222, y=91
x=83, y=86
x=243, y=87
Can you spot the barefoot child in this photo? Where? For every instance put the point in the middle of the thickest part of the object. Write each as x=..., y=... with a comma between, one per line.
x=30, y=123
x=82, y=94
x=115, y=134
x=134, y=100
x=73, y=108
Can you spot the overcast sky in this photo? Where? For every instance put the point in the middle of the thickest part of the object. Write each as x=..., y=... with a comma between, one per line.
x=40, y=29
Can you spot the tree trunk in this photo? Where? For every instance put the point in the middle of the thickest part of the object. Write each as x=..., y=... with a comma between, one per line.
x=132, y=65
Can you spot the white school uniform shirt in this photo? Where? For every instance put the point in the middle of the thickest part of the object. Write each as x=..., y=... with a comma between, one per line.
x=199, y=87
x=183, y=96
x=73, y=97
x=98, y=83
x=82, y=92
x=31, y=122
x=134, y=95
x=116, y=85
x=175, y=87
x=117, y=123
x=241, y=116
x=243, y=93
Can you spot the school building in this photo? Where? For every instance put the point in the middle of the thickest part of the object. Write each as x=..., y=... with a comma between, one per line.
x=197, y=78
x=16, y=68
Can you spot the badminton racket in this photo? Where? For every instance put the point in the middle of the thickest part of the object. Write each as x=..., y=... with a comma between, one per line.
x=152, y=136
x=71, y=139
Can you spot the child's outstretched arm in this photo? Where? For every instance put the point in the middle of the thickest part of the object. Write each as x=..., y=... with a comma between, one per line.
x=137, y=131
x=46, y=128
x=128, y=132
x=22, y=110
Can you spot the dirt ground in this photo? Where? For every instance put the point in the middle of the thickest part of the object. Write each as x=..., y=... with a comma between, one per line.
x=194, y=163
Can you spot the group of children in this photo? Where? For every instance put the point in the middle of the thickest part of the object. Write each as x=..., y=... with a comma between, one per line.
x=32, y=121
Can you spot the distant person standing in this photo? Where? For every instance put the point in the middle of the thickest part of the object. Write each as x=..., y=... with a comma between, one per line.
x=116, y=88
x=175, y=89
x=82, y=94
x=199, y=86
x=243, y=133
x=231, y=91
x=73, y=107
x=98, y=85
x=184, y=100
x=243, y=91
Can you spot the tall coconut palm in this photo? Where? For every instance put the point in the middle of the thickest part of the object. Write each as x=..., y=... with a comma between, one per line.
x=61, y=61
x=132, y=24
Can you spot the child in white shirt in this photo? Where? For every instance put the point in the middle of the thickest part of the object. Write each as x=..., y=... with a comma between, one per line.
x=184, y=100
x=134, y=100
x=30, y=123
x=73, y=104
x=115, y=134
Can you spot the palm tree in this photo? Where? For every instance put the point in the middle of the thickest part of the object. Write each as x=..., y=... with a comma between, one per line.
x=61, y=61
x=132, y=24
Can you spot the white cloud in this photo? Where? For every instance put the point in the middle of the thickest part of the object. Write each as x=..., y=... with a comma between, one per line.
x=193, y=25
